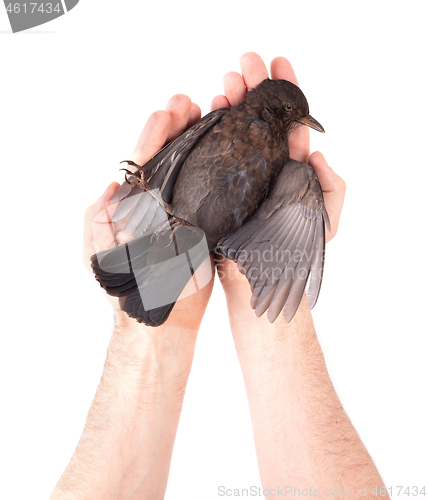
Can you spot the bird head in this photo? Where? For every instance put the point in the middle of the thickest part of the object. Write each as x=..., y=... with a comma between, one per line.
x=281, y=100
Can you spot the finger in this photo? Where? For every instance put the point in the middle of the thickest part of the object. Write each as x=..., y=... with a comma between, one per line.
x=281, y=69
x=218, y=102
x=324, y=172
x=299, y=144
x=179, y=109
x=234, y=88
x=98, y=235
x=152, y=138
x=194, y=116
x=102, y=202
x=253, y=70
x=334, y=189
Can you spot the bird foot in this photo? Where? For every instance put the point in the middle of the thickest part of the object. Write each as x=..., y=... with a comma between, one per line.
x=169, y=225
x=135, y=178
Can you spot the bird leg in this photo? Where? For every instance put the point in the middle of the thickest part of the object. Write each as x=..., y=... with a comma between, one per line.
x=176, y=221
x=171, y=224
x=137, y=180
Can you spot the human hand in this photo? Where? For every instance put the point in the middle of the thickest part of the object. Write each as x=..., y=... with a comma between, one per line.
x=134, y=416
x=161, y=128
x=333, y=186
x=301, y=432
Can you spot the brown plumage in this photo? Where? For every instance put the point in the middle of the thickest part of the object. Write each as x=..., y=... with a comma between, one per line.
x=229, y=178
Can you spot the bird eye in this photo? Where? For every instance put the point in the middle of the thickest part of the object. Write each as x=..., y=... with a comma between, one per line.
x=287, y=106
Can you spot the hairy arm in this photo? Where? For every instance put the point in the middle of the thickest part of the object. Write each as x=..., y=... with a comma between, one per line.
x=126, y=446
x=303, y=436
x=125, y=449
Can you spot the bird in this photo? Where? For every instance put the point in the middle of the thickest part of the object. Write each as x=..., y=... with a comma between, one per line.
x=226, y=186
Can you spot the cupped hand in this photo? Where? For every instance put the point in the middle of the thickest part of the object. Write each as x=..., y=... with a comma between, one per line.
x=161, y=128
x=253, y=72
x=235, y=88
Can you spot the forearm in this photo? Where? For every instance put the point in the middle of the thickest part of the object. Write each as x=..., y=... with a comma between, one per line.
x=126, y=446
x=302, y=434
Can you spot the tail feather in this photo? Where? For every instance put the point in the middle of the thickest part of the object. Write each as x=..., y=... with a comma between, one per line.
x=149, y=274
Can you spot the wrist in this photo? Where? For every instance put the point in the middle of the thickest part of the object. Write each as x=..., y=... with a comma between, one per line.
x=167, y=350
x=247, y=328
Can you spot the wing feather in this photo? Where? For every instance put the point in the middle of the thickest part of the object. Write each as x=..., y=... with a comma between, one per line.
x=162, y=169
x=283, y=244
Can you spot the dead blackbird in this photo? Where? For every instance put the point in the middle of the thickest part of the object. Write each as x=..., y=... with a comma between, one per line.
x=228, y=185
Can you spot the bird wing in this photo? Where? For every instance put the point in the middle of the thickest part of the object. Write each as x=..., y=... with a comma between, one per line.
x=162, y=170
x=283, y=243
x=149, y=273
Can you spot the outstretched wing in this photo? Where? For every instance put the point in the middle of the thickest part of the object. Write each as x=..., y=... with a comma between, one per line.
x=162, y=170
x=283, y=243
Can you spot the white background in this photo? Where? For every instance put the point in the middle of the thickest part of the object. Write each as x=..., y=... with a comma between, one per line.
x=75, y=94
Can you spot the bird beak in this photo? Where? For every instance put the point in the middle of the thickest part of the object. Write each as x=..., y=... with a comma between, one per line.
x=310, y=122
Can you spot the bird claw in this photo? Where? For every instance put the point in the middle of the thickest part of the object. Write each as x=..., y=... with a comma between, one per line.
x=130, y=162
x=132, y=175
x=163, y=228
x=137, y=174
